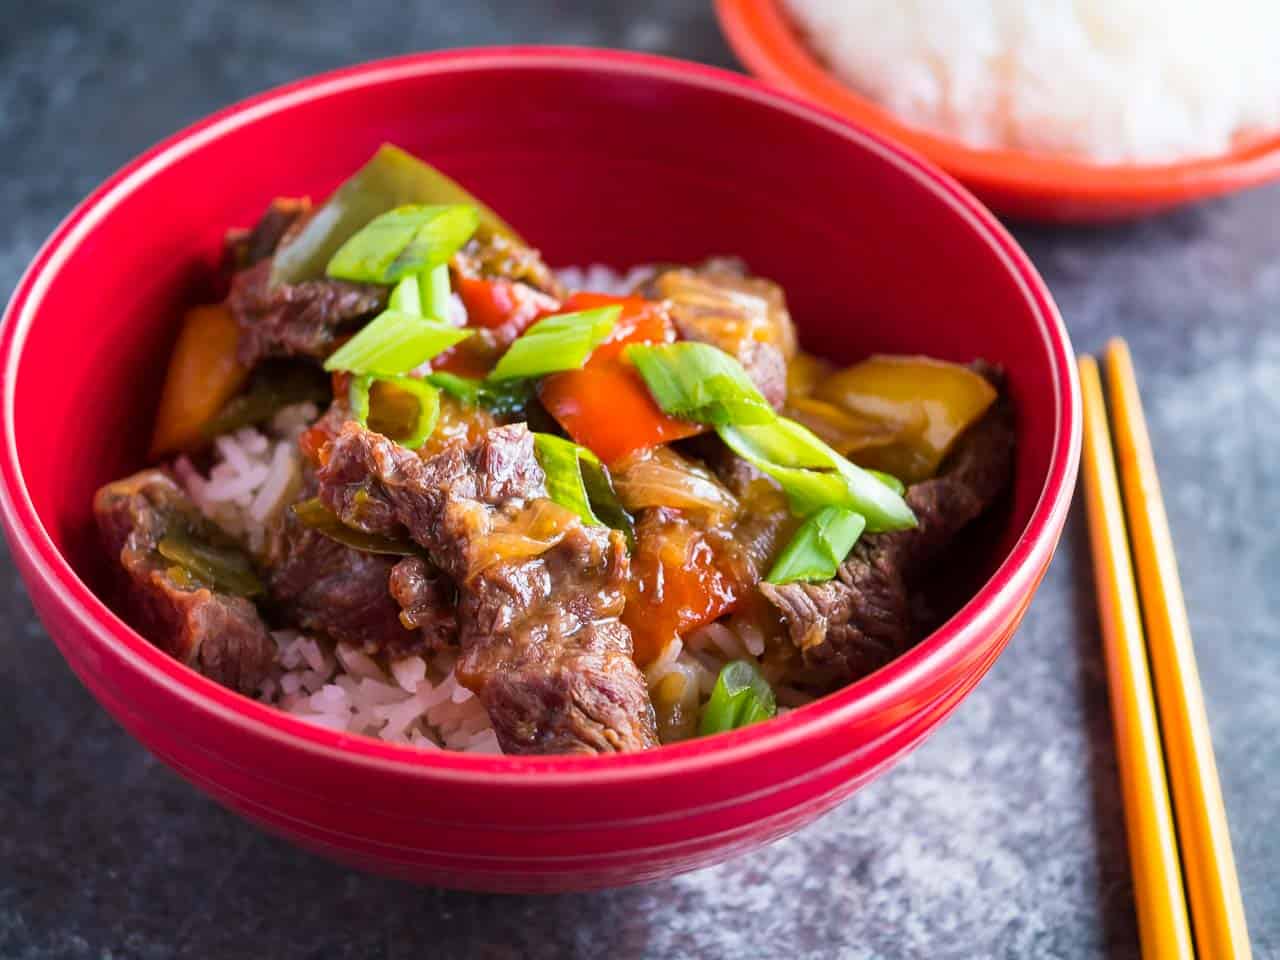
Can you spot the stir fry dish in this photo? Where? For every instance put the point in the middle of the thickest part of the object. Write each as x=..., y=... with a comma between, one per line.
x=409, y=482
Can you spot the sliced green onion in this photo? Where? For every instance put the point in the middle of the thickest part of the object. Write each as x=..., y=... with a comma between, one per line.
x=391, y=178
x=391, y=417
x=435, y=293
x=408, y=239
x=559, y=459
x=423, y=295
x=819, y=546
x=406, y=296
x=314, y=515
x=576, y=479
x=814, y=476
x=889, y=480
x=604, y=498
x=560, y=342
x=741, y=696
x=466, y=390
x=221, y=567
x=508, y=398
x=698, y=382
x=394, y=343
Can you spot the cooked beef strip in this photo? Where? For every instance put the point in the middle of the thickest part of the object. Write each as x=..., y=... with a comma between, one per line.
x=220, y=635
x=720, y=304
x=295, y=319
x=327, y=587
x=427, y=601
x=859, y=621
x=494, y=256
x=539, y=593
x=247, y=247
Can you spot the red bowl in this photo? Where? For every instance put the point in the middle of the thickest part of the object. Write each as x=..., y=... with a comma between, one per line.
x=597, y=156
x=1017, y=183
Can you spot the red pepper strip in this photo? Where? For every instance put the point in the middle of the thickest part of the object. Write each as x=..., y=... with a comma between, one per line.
x=502, y=304
x=605, y=406
x=676, y=586
x=316, y=438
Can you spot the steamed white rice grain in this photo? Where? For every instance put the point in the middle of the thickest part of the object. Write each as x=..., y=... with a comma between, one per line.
x=598, y=278
x=409, y=672
x=410, y=701
x=252, y=475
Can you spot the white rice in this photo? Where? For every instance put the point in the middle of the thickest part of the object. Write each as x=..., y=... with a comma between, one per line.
x=598, y=278
x=407, y=701
x=252, y=476
x=1111, y=81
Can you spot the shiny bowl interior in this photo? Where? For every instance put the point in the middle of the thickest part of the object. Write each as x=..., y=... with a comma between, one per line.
x=596, y=156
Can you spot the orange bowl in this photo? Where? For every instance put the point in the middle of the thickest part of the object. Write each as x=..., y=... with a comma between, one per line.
x=1015, y=183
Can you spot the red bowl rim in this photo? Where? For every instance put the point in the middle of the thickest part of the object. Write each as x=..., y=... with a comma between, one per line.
x=766, y=42
x=953, y=643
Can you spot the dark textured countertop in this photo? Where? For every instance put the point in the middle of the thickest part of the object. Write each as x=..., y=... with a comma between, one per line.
x=1002, y=836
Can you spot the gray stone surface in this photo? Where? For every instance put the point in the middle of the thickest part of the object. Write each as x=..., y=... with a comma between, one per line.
x=1001, y=836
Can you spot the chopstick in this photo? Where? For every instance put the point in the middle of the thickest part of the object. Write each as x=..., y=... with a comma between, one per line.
x=1153, y=853
x=1213, y=889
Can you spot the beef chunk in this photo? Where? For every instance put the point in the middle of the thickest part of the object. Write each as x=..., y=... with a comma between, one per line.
x=295, y=319
x=326, y=587
x=220, y=635
x=494, y=256
x=855, y=623
x=248, y=247
x=426, y=599
x=861, y=619
x=539, y=593
x=719, y=304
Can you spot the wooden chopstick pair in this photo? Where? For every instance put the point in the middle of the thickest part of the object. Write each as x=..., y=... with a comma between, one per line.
x=1162, y=742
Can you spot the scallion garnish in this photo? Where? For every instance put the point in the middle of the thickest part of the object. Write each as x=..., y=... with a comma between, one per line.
x=741, y=696
x=403, y=241
x=434, y=285
x=559, y=459
x=406, y=296
x=698, y=382
x=576, y=479
x=394, y=343
x=604, y=498
x=466, y=390
x=408, y=424
x=560, y=342
x=815, y=476
x=889, y=480
x=819, y=546
x=509, y=398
